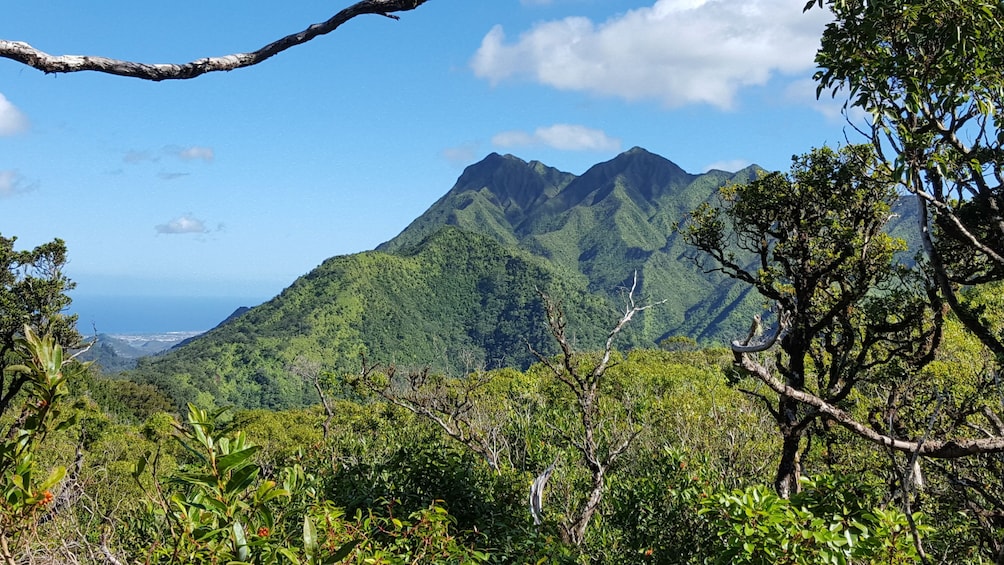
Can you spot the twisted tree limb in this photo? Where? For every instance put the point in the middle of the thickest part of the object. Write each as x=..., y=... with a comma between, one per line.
x=32, y=57
x=939, y=449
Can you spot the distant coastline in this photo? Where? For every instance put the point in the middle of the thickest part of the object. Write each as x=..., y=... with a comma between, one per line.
x=143, y=315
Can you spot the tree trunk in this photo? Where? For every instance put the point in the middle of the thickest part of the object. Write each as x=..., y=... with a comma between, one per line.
x=789, y=470
x=574, y=533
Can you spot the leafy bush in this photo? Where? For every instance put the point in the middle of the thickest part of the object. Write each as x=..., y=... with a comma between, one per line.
x=220, y=509
x=43, y=380
x=829, y=521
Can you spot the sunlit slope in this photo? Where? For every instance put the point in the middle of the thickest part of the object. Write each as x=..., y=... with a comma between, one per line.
x=455, y=297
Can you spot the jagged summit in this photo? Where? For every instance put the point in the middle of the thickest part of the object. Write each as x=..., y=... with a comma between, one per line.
x=509, y=198
x=516, y=185
x=648, y=175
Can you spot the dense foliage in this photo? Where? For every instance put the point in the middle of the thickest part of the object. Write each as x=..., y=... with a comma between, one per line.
x=882, y=378
x=366, y=480
x=811, y=242
x=457, y=295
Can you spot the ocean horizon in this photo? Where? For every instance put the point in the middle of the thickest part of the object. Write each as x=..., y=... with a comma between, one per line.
x=153, y=314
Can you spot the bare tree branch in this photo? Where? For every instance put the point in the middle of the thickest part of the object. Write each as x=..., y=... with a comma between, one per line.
x=310, y=371
x=599, y=457
x=28, y=55
x=941, y=449
x=450, y=404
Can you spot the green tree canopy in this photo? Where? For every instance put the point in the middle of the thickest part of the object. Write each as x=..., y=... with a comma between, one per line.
x=32, y=292
x=811, y=241
x=930, y=74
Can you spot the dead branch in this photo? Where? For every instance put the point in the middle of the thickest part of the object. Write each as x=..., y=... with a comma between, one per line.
x=451, y=406
x=584, y=384
x=24, y=53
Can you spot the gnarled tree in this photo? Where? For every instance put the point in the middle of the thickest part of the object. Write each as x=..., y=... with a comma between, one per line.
x=930, y=76
x=812, y=242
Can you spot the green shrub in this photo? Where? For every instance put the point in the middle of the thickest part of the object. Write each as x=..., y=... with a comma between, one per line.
x=829, y=521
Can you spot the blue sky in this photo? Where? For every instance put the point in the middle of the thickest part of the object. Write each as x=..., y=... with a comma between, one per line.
x=234, y=184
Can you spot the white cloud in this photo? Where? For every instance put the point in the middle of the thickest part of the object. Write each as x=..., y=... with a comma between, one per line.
x=731, y=166
x=564, y=137
x=676, y=51
x=183, y=224
x=12, y=184
x=8, y=182
x=12, y=121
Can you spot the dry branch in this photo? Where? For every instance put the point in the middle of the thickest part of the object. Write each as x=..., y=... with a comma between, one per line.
x=32, y=57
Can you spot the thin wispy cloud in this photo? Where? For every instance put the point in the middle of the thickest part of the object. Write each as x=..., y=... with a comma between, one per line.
x=192, y=153
x=13, y=183
x=12, y=120
x=171, y=176
x=182, y=225
x=678, y=52
x=461, y=155
x=564, y=137
x=134, y=157
x=730, y=166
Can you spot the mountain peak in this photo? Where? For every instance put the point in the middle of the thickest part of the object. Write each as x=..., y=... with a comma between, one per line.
x=516, y=185
x=641, y=155
x=647, y=174
x=636, y=150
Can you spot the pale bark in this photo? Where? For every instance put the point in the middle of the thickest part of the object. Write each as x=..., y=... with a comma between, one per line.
x=37, y=59
x=941, y=449
x=585, y=386
x=452, y=405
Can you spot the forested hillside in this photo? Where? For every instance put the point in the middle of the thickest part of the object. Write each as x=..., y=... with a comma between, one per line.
x=462, y=283
x=454, y=299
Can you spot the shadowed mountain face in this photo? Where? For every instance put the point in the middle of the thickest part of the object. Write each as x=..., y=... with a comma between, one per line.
x=601, y=227
x=461, y=282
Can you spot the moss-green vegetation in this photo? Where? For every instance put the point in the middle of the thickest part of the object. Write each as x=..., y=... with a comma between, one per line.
x=875, y=406
x=457, y=295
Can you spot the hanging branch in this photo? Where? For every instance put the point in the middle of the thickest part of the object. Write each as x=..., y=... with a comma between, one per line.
x=28, y=55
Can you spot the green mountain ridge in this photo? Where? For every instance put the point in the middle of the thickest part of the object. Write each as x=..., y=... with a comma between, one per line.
x=457, y=296
x=601, y=227
x=461, y=282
